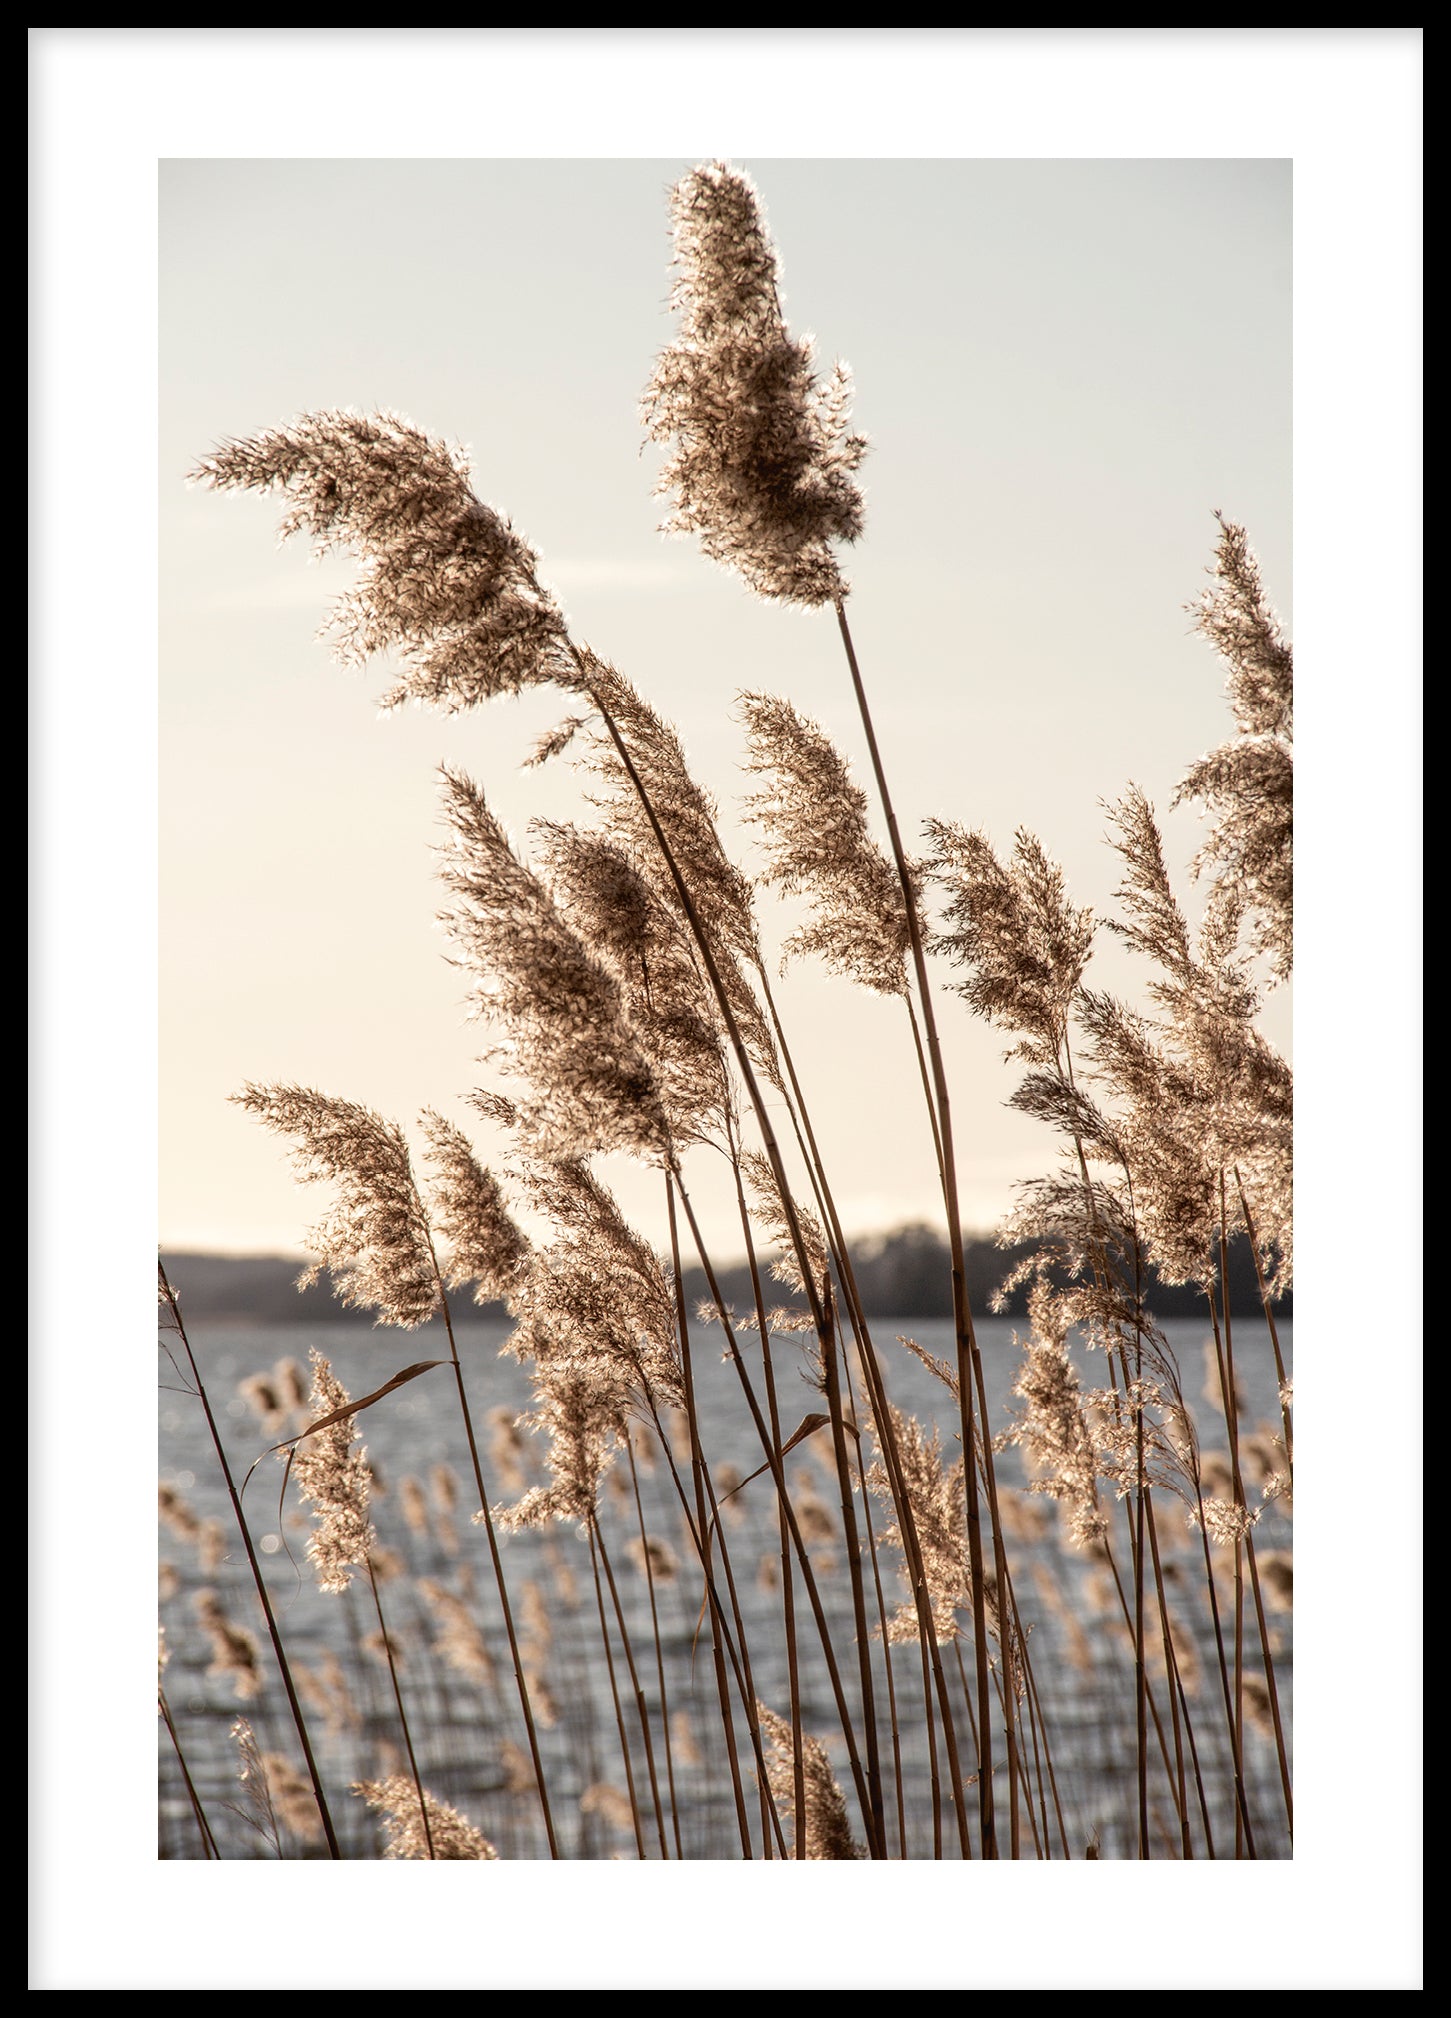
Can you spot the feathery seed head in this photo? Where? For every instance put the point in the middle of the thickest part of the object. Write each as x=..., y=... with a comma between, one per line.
x=813, y=816
x=451, y=1836
x=567, y=1030
x=935, y=1492
x=644, y=943
x=763, y=463
x=335, y=1478
x=1012, y=927
x=469, y=1210
x=1056, y=1438
x=234, y=1650
x=446, y=582
x=1249, y=781
x=824, y=1831
x=375, y=1239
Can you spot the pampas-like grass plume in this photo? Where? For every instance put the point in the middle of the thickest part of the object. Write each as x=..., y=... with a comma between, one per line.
x=234, y=1649
x=1012, y=927
x=719, y=893
x=375, y=1239
x=623, y=917
x=935, y=1493
x=277, y=1793
x=813, y=818
x=335, y=1478
x=486, y=1247
x=763, y=459
x=1249, y=781
x=566, y=1031
x=1057, y=1443
x=825, y=1833
x=596, y=1322
x=450, y=1836
x=447, y=584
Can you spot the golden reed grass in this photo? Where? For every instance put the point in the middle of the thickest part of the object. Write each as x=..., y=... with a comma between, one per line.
x=617, y=965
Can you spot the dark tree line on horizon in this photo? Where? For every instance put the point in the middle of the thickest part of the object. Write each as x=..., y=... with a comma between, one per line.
x=900, y=1274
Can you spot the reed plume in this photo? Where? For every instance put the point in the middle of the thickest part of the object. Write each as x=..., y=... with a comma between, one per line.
x=934, y=1491
x=278, y=1794
x=1249, y=781
x=375, y=1237
x=823, y=1833
x=457, y=1636
x=432, y=1831
x=813, y=819
x=235, y=1655
x=566, y=1032
x=334, y=1477
x=622, y=972
x=653, y=810
x=763, y=459
x=1054, y=1433
x=622, y=915
x=595, y=1319
x=446, y=584
x=486, y=1247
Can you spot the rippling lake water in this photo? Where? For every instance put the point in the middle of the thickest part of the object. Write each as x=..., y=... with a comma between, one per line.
x=467, y=1727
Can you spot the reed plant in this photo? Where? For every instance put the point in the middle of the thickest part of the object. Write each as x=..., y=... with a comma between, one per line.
x=911, y=1678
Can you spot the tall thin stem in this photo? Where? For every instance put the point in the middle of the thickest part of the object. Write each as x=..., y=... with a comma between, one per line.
x=487, y=1521
x=659, y=1649
x=933, y=1673
x=266, y=1602
x=209, y=1841
x=702, y=1528
x=386, y=1639
x=788, y=1595
x=594, y=1564
x=969, y=1369
x=773, y=1459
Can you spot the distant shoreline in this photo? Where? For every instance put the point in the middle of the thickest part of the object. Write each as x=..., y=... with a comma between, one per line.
x=899, y=1274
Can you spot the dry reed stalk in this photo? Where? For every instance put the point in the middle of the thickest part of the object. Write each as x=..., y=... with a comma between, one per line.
x=209, y=1841
x=788, y=1595
x=933, y=1675
x=701, y=1528
x=881, y=1603
x=1133, y=1621
x=830, y=1357
x=652, y=1557
x=592, y=1531
x=174, y=1310
x=402, y=469
x=335, y=1478
x=520, y=1681
x=378, y=1242
x=1171, y=1672
x=1230, y=1396
x=774, y=1462
x=969, y=1367
x=1266, y=1303
x=639, y=1693
x=1244, y=1832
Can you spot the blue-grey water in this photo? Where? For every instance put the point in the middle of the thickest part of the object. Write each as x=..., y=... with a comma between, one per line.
x=467, y=1730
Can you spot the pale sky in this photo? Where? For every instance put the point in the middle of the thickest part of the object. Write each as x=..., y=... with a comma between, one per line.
x=1064, y=367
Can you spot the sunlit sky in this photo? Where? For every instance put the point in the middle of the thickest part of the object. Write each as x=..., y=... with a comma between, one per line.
x=1064, y=368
